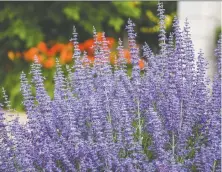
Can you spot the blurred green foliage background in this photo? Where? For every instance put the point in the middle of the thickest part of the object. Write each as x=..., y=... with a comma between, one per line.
x=25, y=24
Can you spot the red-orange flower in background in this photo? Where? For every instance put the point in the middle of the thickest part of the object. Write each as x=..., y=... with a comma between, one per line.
x=66, y=53
x=111, y=42
x=11, y=55
x=69, y=46
x=127, y=56
x=57, y=48
x=40, y=58
x=30, y=54
x=87, y=46
x=141, y=64
x=42, y=47
x=112, y=58
x=46, y=55
x=49, y=63
x=99, y=36
x=91, y=58
x=109, y=39
x=66, y=56
x=14, y=55
x=18, y=54
x=81, y=47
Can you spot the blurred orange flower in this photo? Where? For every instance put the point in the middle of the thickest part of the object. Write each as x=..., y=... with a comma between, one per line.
x=81, y=46
x=69, y=46
x=49, y=63
x=42, y=47
x=99, y=36
x=141, y=64
x=52, y=51
x=111, y=42
x=88, y=44
x=112, y=58
x=18, y=54
x=91, y=58
x=11, y=55
x=66, y=56
x=55, y=49
x=29, y=54
x=46, y=55
x=40, y=58
x=127, y=55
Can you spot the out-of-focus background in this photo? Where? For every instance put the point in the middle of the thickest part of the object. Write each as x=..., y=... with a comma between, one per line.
x=45, y=28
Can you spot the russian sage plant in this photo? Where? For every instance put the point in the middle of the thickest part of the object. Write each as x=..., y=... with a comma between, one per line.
x=163, y=118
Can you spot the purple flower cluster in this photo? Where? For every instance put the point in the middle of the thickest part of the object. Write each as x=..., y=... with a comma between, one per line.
x=164, y=118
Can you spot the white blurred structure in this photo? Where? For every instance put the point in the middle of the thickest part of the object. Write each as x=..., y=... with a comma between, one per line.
x=204, y=17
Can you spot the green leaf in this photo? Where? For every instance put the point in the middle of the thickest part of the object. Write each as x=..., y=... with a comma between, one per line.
x=128, y=9
x=116, y=23
x=72, y=12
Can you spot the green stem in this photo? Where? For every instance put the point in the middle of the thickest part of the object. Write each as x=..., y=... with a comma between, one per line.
x=214, y=166
x=173, y=144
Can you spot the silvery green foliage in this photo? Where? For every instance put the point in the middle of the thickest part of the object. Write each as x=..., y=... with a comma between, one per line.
x=161, y=118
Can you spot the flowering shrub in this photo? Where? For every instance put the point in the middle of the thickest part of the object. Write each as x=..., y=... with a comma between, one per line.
x=163, y=118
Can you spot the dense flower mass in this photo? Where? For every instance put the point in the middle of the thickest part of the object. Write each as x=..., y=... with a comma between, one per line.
x=164, y=118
